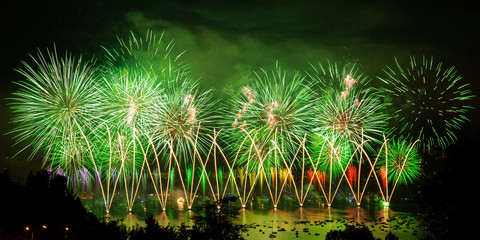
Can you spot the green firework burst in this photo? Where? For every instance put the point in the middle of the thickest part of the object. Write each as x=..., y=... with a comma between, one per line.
x=55, y=109
x=183, y=119
x=330, y=154
x=129, y=100
x=347, y=107
x=428, y=101
x=275, y=107
x=402, y=161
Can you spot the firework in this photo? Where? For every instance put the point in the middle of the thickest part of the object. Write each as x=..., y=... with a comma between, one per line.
x=282, y=102
x=128, y=101
x=347, y=107
x=55, y=109
x=274, y=108
x=330, y=154
x=427, y=101
x=400, y=161
x=184, y=118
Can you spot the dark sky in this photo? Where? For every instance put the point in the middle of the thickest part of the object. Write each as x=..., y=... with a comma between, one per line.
x=224, y=40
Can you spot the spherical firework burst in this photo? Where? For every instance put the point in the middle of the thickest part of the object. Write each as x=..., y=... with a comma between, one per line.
x=400, y=161
x=283, y=103
x=347, y=108
x=275, y=105
x=352, y=118
x=128, y=101
x=183, y=119
x=427, y=101
x=55, y=109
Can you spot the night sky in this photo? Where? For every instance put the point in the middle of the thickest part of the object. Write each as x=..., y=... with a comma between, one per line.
x=224, y=41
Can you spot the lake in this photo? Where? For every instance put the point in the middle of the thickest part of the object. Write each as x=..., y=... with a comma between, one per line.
x=288, y=221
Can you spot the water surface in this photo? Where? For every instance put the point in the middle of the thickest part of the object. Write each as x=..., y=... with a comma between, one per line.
x=287, y=221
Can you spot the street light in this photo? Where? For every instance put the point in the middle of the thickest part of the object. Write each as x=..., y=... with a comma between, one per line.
x=27, y=228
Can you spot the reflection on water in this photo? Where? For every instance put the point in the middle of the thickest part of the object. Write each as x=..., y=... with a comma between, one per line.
x=180, y=203
x=285, y=222
x=131, y=219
